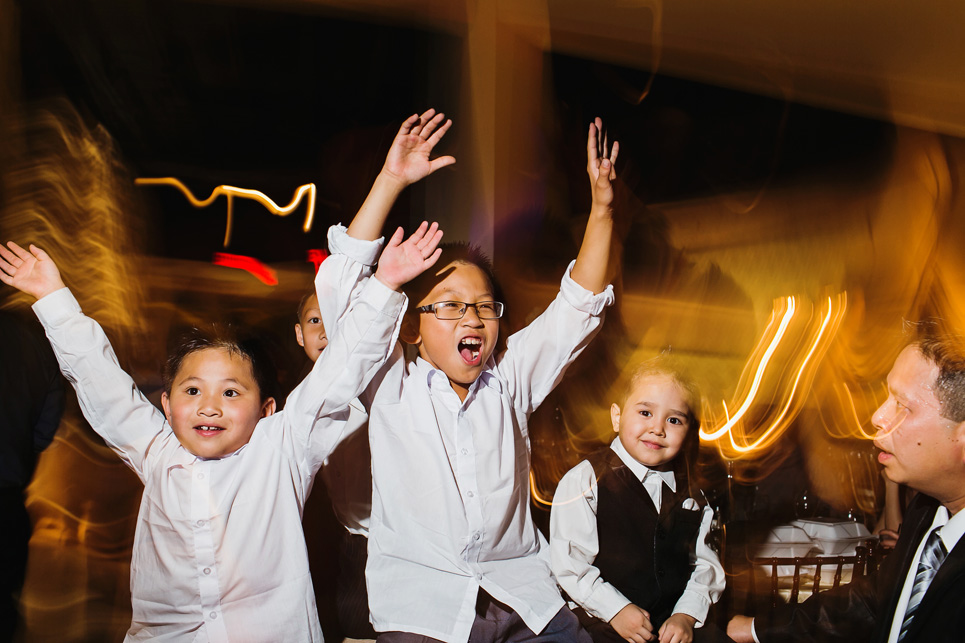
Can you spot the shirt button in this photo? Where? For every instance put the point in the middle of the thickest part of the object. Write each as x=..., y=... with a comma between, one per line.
x=200, y=476
x=465, y=451
x=476, y=536
x=213, y=615
x=479, y=577
x=207, y=570
x=470, y=494
x=200, y=523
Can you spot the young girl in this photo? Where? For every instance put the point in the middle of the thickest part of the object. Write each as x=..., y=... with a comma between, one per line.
x=628, y=533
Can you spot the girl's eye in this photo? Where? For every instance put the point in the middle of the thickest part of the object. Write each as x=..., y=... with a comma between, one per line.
x=192, y=390
x=674, y=420
x=645, y=413
x=231, y=393
x=451, y=305
x=314, y=320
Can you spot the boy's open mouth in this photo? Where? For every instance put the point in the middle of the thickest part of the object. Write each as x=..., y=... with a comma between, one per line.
x=470, y=349
x=208, y=430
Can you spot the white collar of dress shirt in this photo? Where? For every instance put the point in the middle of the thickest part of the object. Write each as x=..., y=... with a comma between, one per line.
x=641, y=470
x=486, y=378
x=954, y=526
x=184, y=458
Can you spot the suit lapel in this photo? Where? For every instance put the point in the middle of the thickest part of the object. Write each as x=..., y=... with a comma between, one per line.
x=951, y=570
x=918, y=518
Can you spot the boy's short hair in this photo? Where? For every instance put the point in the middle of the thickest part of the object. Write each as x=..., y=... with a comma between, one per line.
x=231, y=339
x=947, y=352
x=452, y=252
x=301, y=305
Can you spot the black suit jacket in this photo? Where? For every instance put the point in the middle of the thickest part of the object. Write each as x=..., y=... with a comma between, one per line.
x=863, y=611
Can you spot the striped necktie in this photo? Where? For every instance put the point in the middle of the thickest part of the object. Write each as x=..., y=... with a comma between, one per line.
x=931, y=559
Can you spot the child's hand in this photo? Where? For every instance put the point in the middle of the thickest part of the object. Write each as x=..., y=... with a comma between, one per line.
x=408, y=158
x=600, y=165
x=400, y=262
x=633, y=624
x=34, y=272
x=679, y=628
x=741, y=629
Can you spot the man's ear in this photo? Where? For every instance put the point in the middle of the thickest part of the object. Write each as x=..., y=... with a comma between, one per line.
x=615, y=417
x=268, y=408
x=298, y=335
x=409, y=333
x=166, y=405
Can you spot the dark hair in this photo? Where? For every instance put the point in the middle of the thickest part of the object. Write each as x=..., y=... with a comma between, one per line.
x=301, y=305
x=229, y=338
x=452, y=252
x=947, y=352
x=685, y=464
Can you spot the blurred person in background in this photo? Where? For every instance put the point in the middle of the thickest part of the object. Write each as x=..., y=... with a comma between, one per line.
x=31, y=403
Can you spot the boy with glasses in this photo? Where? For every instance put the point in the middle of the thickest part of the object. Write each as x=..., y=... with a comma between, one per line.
x=454, y=554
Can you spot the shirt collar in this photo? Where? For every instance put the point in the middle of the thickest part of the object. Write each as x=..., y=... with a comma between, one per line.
x=641, y=471
x=954, y=526
x=436, y=378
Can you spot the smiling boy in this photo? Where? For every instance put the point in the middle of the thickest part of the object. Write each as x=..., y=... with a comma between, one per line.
x=454, y=554
x=219, y=552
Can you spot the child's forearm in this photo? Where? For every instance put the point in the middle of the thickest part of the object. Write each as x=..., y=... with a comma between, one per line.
x=592, y=266
x=370, y=219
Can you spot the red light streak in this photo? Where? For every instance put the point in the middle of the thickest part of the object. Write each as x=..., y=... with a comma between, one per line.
x=260, y=271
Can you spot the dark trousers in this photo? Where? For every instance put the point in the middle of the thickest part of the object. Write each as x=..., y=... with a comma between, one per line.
x=352, y=599
x=496, y=622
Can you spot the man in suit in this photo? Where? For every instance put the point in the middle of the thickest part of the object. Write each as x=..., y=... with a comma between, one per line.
x=919, y=593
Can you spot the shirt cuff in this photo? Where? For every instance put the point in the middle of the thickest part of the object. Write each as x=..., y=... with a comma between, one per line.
x=382, y=298
x=581, y=298
x=605, y=602
x=694, y=605
x=358, y=250
x=754, y=631
x=56, y=308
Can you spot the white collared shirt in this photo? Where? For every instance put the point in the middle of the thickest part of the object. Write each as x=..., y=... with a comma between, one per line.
x=951, y=533
x=574, y=543
x=450, y=501
x=219, y=552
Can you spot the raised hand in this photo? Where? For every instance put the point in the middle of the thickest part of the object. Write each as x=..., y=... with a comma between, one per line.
x=33, y=272
x=408, y=159
x=403, y=261
x=600, y=161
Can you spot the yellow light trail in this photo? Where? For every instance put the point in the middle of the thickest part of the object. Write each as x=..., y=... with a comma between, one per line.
x=829, y=321
x=254, y=195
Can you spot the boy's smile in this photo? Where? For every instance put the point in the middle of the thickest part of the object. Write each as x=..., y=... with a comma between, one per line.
x=654, y=421
x=459, y=348
x=214, y=403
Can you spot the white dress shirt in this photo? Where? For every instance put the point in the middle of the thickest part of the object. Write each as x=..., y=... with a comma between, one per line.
x=450, y=497
x=951, y=533
x=219, y=552
x=574, y=543
x=347, y=473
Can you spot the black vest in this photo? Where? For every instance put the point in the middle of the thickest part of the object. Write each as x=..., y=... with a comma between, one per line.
x=648, y=556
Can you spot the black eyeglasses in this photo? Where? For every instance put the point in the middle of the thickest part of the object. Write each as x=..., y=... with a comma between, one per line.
x=457, y=309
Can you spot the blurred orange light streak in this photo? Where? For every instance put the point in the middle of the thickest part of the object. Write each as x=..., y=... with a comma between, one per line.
x=765, y=360
x=727, y=428
x=854, y=413
x=230, y=192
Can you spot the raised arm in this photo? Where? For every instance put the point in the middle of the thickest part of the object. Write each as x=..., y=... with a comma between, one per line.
x=592, y=263
x=108, y=397
x=407, y=162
